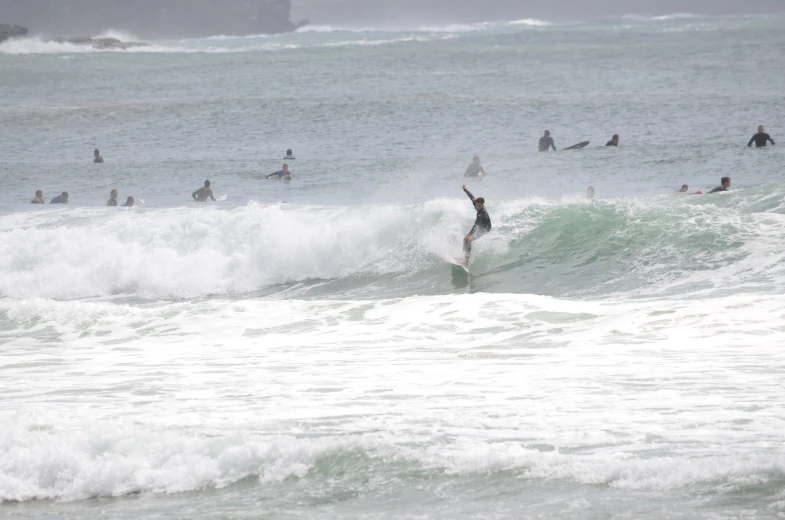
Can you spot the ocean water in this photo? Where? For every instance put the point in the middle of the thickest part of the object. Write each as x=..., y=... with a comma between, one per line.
x=302, y=349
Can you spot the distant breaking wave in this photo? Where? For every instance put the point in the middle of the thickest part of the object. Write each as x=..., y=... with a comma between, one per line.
x=449, y=28
x=662, y=18
x=215, y=44
x=262, y=42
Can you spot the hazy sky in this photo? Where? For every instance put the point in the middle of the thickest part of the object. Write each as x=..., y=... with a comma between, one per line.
x=408, y=12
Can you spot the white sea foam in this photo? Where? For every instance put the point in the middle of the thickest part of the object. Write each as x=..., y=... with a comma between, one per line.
x=448, y=28
x=99, y=460
x=652, y=396
x=39, y=45
x=118, y=34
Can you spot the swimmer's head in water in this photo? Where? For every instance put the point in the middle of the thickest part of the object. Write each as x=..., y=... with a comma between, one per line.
x=64, y=196
x=39, y=194
x=129, y=201
x=761, y=129
x=113, y=194
x=285, y=167
x=96, y=152
x=684, y=188
x=289, y=151
x=547, y=133
x=479, y=203
x=725, y=182
x=476, y=158
x=206, y=184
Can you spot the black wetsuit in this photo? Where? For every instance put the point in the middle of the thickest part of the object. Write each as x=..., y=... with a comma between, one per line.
x=474, y=170
x=719, y=189
x=760, y=140
x=546, y=143
x=482, y=226
x=111, y=202
x=611, y=143
x=202, y=194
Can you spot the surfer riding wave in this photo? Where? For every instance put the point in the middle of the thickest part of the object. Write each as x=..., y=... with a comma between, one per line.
x=482, y=225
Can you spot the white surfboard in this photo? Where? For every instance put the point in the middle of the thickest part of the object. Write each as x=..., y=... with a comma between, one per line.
x=457, y=261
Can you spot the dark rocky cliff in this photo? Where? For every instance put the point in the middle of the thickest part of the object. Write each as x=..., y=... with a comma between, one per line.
x=151, y=18
x=11, y=31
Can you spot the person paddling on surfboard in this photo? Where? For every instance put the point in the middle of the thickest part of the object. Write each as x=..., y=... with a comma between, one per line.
x=482, y=225
x=283, y=173
x=546, y=142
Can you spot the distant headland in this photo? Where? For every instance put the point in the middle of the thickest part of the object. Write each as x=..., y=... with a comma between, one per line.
x=149, y=18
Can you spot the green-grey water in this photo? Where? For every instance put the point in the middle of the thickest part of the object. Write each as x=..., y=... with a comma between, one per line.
x=302, y=349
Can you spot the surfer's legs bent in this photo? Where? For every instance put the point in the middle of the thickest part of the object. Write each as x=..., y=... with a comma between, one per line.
x=467, y=243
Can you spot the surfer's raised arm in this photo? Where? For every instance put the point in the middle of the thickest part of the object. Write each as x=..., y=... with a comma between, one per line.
x=468, y=193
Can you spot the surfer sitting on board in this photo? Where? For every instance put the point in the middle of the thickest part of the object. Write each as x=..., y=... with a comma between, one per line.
x=202, y=194
x=482, y=225
x=546, y=142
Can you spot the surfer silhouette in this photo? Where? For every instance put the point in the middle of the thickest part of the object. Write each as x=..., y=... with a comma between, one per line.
x=546, y=142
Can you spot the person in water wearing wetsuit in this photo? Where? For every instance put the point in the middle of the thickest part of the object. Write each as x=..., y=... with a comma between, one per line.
x=482, y=225
x=97, y=157
x=282, y=174
x=475, y=169
x=129, y=203
x=546, y=142
x=724, y=187
x=39, y=198
x=614, y=141
x=289, y=155
x=202, y=194
x=112, y=198
x=760, y=138
x=60, y=199
x=684, y=188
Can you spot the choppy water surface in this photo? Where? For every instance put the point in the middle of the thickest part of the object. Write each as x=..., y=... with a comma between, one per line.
x=301, y=349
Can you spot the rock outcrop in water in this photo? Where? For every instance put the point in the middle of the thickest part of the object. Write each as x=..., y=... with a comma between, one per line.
x=11, y=31
x=100, y=43
x=153, y=18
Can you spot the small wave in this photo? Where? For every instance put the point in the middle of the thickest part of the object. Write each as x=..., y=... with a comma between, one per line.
x=230, y=37
x=40, y=46
x=118, y=34
x=391, y=41
x=532, y=22
x=449, y=28
x=44, y=459
x=661, y=18
x=332, y=28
